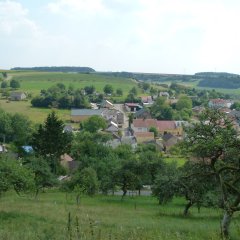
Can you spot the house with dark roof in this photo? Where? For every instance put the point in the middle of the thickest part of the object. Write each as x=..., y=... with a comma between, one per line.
x=78, y=115
x=17, y=96
x=112, y=127
x=143, y=113
x=132, y=107
x=169, y=140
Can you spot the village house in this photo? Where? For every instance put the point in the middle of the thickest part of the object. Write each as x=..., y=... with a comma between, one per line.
x=3, y=149
x=17, y=96
x=106, y=104
x=164, y=94
x=143, y=113
x=220, y=103
x=143, y=125
x=163, y=127
x=147, y=100
x=198, y=109
x=114, y=115
x=78, y=115
x=112, y=127
x=144, y=137
x=126, y=140
x=68, y=162
x=94, y=106
x=132, y=107
x=68, y=129
x=169, y=140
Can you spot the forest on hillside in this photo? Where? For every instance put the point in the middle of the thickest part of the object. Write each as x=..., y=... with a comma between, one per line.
x=56, y=69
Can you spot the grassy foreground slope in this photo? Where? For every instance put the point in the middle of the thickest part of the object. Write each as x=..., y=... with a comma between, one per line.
x=105, y=217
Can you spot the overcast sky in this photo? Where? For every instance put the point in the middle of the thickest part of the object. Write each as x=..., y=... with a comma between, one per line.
x=162, y=36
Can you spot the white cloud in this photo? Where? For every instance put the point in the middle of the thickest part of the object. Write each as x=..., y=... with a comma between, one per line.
x=81, y=7
x=14, y=19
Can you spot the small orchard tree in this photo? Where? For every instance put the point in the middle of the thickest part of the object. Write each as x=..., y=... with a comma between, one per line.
x=4, y=84
x=13, y=175
x=42, y=173
x=82, y=182
x=14, y=83
x=154, y=130
x=94, y=123
x=119, y=92
x=108, y=89
x=214, y=142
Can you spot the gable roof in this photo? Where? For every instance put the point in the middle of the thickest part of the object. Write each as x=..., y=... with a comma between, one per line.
x=144, y=123
x=165, y=125
x=141, y=111
x=86, y=112
x=167, y=136
x=144, y=135
x=17, y=94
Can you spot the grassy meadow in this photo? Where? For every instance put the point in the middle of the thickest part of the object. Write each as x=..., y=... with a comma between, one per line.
x=36, y=115
x=32, y=82
x=35, y=81
x=105, y=217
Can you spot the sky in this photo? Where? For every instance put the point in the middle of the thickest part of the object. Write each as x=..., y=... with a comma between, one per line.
x=155, y=36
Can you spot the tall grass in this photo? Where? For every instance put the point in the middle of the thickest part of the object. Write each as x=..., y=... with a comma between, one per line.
x=56, y=216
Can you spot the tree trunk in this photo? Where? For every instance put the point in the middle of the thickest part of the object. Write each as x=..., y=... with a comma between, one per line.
x=36, y=193
x=227, y=217
x=188, y=205
x=124, y=189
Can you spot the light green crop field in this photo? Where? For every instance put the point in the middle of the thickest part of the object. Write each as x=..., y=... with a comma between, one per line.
x=105, y=218
x=35, y=81
x=36, y=115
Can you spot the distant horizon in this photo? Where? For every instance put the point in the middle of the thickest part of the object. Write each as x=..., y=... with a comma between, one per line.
x=109, y=71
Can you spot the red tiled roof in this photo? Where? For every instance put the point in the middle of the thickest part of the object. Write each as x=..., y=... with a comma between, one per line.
x=165, y=125
x=218, y=100
x=66, y=157
x=144, y=135
x=146, y=123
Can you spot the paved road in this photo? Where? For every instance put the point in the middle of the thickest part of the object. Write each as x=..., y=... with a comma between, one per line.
x=135, y=193
x=120, y=107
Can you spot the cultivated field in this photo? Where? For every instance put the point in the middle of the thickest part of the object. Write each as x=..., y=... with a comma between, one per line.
x=105, y=217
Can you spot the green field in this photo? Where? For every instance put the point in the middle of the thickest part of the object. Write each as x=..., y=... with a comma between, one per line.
x=105, y=217
x=37, y=115
x=35, y=81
